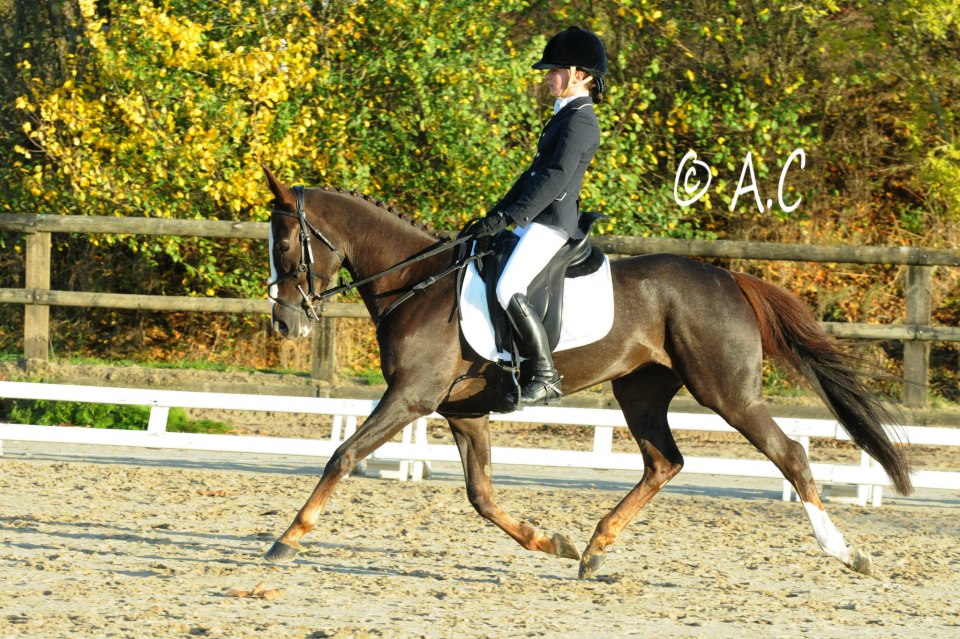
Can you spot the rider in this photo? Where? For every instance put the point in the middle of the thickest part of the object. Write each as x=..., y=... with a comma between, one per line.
x=544, y=201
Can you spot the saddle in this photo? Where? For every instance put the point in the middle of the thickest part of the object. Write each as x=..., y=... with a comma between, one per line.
x=577, y=258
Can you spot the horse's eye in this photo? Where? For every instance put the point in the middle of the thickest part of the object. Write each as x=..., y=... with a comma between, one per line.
x=283, y=246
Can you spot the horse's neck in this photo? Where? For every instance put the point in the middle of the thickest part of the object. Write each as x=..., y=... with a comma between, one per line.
x=387, y=240
x=376, y=239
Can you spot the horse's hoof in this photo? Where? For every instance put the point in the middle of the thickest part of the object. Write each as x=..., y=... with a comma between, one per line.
x=564, y=548
x=282, y=552
x=591, y=564
x=861, y=562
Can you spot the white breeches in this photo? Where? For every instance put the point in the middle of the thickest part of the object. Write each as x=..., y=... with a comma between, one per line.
x=537, y=246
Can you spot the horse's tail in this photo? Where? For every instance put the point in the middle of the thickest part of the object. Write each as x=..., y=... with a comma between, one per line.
x=790, y=333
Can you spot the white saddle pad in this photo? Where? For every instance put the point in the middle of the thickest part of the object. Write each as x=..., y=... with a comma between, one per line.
x=587, y=312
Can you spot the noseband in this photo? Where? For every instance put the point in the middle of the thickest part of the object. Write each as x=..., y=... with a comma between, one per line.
x=310, y=297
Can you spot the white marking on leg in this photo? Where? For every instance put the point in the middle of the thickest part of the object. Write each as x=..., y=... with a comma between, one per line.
x=830, y=539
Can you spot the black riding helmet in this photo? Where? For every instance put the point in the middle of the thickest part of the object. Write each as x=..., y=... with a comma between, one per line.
x=575, y=47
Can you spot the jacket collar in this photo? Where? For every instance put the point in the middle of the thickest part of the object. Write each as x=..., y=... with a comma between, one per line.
x=574, y=105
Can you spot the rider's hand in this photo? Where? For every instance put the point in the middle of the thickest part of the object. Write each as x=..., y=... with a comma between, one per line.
x=492, y=224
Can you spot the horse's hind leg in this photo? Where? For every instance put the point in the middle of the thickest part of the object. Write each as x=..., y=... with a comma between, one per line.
x=752, y=419
x=788, y=456
x=644, y=396
x=473, y=439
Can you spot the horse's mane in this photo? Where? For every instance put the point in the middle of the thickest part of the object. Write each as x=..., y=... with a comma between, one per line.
x=380, y=204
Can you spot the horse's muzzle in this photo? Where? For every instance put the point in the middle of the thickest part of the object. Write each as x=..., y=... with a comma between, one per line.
x=289, y=324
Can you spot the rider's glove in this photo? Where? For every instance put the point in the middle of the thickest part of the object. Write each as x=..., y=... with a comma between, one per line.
x=492, y=224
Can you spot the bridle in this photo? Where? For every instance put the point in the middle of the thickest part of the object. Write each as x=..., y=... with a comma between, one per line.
x=310, y=297
x=312, y=300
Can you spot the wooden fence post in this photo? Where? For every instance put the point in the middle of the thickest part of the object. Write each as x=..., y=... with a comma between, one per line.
x=323, y=358
x=916, y=352
x=36, y=317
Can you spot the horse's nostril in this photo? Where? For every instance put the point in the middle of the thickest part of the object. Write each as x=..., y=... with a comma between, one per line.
x=281, y=327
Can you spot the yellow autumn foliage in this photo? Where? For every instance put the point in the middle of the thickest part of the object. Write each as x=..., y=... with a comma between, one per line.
x=167, y=109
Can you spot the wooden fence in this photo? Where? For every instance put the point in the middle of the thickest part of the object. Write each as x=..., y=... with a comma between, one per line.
x=916, y=332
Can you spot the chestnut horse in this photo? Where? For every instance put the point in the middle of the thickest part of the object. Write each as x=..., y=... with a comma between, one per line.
x=678, y=322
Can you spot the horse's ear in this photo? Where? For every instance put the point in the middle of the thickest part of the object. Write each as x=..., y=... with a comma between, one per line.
x=280, y=192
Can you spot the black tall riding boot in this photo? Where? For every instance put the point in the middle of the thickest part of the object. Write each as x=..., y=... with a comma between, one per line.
x=544, y=384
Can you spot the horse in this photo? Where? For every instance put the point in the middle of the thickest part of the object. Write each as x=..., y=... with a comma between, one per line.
x=678, y=322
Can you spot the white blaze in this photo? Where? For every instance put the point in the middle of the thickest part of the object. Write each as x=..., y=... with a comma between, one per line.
x=273, y=289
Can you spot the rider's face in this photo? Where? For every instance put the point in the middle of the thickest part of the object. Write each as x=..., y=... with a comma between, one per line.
x=557, y=81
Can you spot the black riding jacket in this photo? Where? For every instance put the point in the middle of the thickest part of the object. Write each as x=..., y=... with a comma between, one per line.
x=549, y=191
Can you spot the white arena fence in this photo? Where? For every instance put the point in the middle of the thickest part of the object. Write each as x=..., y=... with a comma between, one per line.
x=413, y=453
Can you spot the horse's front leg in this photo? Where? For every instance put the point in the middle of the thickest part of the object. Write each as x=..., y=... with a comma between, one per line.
x=386, y=420
x=473, y=439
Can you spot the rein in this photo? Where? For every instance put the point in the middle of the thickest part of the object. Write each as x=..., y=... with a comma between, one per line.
x=312, y=300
